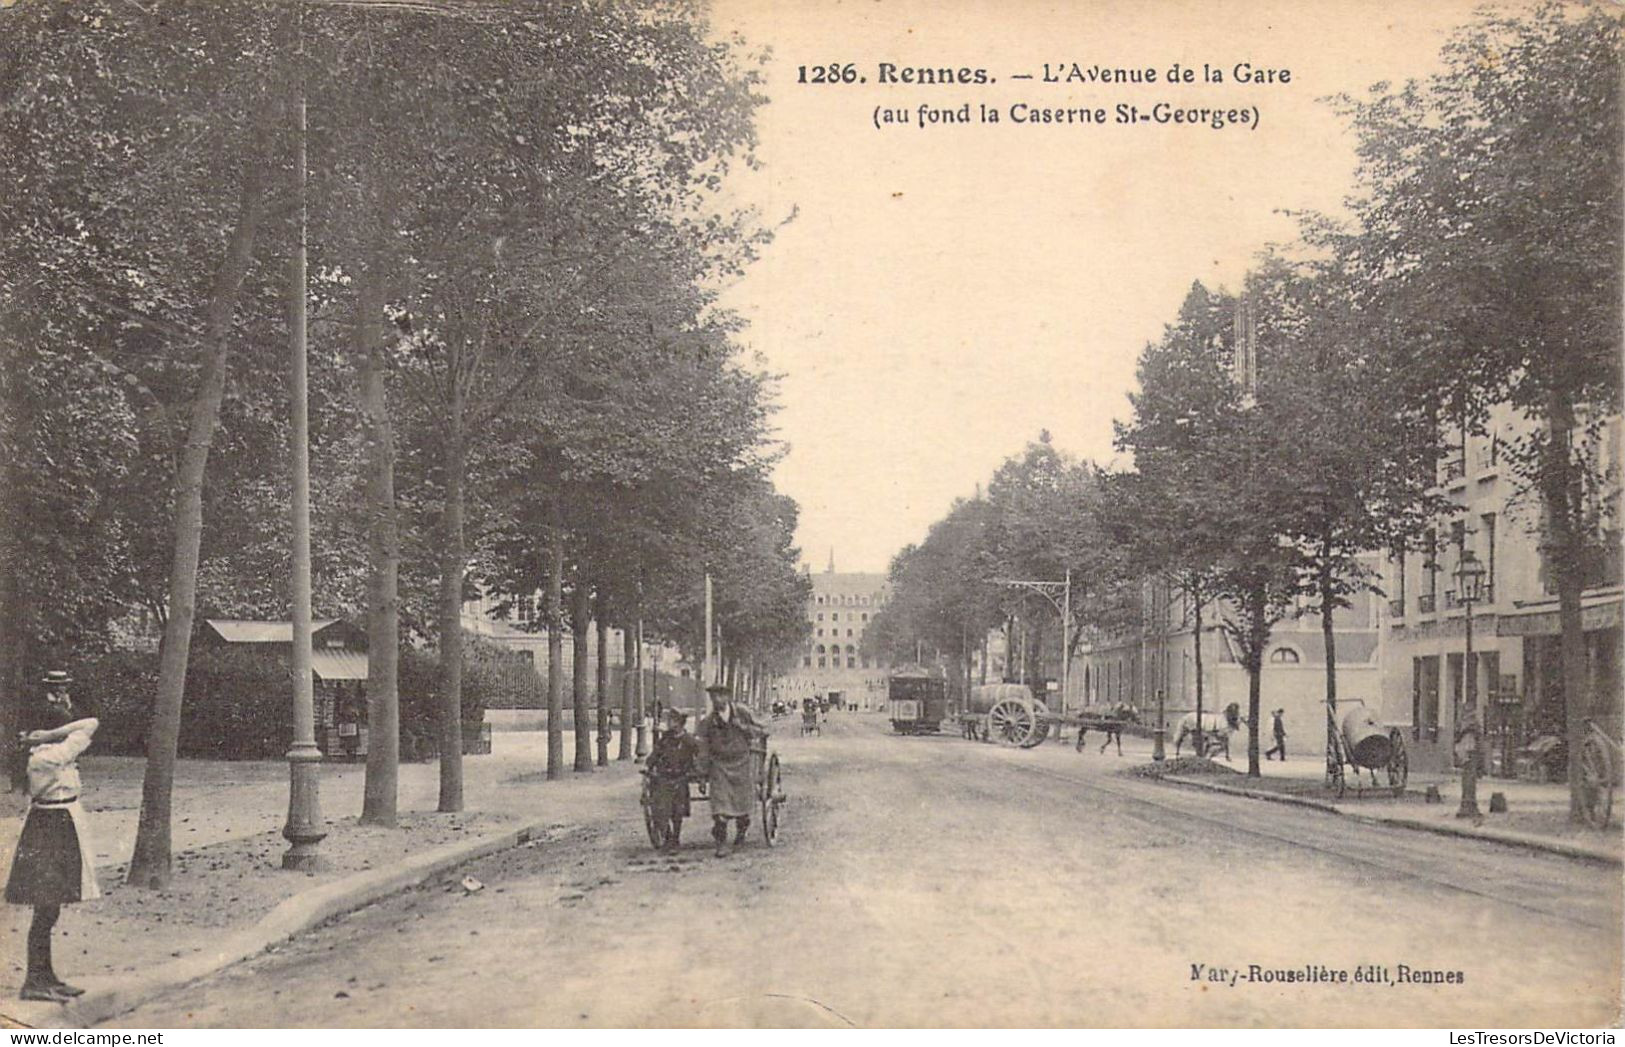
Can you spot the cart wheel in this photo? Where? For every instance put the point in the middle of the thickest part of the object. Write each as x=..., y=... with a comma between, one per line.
x=649, y=823
x=1036, y=736
x=1596, y=782
x=1399, y=764
x=1010, y=722
x=772, y=800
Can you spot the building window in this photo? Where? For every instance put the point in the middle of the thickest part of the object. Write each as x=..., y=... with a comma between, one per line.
x=1284, y=656
x=835, y=617
x=851, y=663
x=1486, y=527
x=806, y=662
x=820, y=661
x=865, y=616
x=820, y=632
x=820, y=648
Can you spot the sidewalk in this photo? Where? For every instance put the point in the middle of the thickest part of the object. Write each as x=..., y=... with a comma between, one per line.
x=229, y=897
x=1536, y=815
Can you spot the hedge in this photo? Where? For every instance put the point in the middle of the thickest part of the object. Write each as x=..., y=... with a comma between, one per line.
x=238, y=702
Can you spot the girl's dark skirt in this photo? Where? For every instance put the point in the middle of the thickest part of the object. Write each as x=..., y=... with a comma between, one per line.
x=668, y=799
x=48, y=868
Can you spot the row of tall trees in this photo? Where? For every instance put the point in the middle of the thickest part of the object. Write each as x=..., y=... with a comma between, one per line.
x=1045, y=516
x=1282, y=434
x=519, y=379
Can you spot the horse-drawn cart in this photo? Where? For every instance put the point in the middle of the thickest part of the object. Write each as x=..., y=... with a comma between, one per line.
x=770, y=798
x=1360, y=741
x=1007, y=713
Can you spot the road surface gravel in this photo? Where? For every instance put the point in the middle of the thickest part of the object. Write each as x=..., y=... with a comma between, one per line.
x=935, y=882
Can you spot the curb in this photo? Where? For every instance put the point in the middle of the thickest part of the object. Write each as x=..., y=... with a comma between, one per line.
x=291, y=917
x=1498, y=836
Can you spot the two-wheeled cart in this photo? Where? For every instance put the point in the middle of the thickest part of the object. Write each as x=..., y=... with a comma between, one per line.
x=769, y=784
x=1357, y=739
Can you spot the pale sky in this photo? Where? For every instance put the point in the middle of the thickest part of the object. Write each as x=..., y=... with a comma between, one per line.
x=944, y=293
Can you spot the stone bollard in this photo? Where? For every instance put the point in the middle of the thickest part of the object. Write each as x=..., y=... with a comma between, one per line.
x=1498, y=803
x=1432, y=795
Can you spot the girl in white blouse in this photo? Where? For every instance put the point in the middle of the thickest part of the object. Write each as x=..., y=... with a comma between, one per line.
x=52, y=867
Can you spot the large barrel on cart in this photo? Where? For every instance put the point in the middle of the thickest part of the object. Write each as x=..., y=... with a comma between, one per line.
x=1007, y=713
x=1363, y=742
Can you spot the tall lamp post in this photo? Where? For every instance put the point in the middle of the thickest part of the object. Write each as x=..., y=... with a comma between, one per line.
x=305, y=827
x=1469, y=590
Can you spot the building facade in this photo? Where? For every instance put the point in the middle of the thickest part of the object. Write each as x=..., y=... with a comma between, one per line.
x=1515, y=631
x=1160, y=655
x=839, y=611
x=670, y=680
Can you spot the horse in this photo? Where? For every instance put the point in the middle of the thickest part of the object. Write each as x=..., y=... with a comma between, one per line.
x=1112, y=726
x=1215, y=727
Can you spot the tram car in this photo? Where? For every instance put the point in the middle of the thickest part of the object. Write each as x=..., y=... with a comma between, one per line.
x=916, y=701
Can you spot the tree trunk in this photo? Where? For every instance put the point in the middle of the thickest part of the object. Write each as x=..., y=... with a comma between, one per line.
x=150, y=862
x=640, y=696
x=16, y=419
x=452, y=565
x=1560, y=490
x=380, y=790
x=555, y=644
x=602, y=623
x=1329, y=637
x=629, y=684
x=1196, y=609
x=1257, y=636
x=580, y=622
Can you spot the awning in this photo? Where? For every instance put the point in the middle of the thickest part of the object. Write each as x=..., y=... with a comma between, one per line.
x=339, y=665
x=1547, y=623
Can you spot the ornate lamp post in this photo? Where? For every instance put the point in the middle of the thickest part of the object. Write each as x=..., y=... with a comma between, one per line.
x=1469, y=590
x=305, y=827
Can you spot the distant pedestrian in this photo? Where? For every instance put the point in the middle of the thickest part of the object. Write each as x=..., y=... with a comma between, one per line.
x=53, y=865
x=671, y=764
x=726, y=739
x=1278, y=726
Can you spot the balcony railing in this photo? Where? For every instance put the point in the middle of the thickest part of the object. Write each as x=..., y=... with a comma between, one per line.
x=1396, y=607
x=1424, y=603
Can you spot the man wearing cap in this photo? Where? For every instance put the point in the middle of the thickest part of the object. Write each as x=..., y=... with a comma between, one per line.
x=53, y=864
x=671, y=764
x=726, y=737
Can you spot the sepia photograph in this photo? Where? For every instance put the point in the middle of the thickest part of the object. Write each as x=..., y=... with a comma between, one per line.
x=817, y=514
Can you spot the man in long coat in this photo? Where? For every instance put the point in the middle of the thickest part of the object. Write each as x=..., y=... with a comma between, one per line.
x=725, y=738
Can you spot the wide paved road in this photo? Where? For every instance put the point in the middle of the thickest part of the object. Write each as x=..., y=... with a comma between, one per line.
x=936, y=882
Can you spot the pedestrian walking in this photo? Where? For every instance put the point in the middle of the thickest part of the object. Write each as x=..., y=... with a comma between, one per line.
x=726, y=738
x=52, y=866
x=1278, y=726
x=671, y=764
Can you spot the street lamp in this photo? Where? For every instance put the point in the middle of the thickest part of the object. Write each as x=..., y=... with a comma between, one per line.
x=1469, y=590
